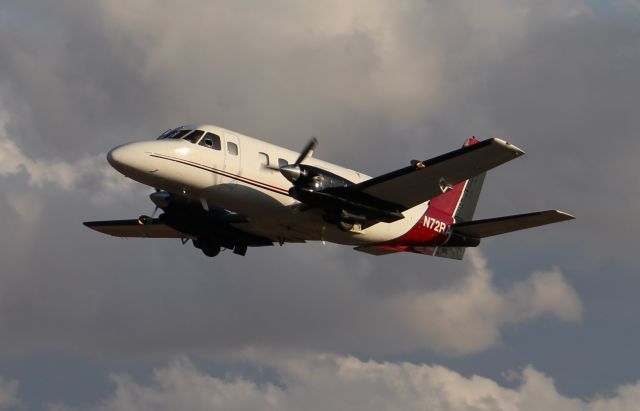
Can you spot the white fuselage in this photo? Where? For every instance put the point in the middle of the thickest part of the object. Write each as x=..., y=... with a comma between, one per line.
x=246, y=181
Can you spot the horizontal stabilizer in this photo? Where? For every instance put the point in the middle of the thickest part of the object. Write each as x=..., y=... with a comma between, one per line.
x=135, y=228
x=507, y=224
x=375, y=250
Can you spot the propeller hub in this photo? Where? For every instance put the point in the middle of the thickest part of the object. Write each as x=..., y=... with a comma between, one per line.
x=161, y=199
x=291, y=172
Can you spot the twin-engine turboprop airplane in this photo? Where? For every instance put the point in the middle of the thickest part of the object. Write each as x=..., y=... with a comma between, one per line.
x=221, y=189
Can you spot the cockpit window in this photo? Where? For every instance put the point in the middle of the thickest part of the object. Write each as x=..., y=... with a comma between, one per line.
x=166, y=133
x=211, y=140
x=179, y=134
x=175, y=133
x=194, y=136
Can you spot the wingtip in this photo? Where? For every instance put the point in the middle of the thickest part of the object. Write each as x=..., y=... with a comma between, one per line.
x=558, y=215
x=566, y=216
x=517, y=150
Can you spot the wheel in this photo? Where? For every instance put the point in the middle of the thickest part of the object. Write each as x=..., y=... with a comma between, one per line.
x=208, y=247
x=211, y=250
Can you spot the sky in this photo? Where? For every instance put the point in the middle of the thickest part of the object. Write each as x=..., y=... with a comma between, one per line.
x=540, y=319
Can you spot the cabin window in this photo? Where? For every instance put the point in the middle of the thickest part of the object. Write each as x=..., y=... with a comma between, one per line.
x=195, y=136
x=211, y=140
x=282, y=162
x=232, y=148
x=264, y=159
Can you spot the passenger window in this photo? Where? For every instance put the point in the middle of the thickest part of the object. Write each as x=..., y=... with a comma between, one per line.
x=211, y=140
x=232, y=148
x=282, y=162
x=264, y=159
x=195, y=136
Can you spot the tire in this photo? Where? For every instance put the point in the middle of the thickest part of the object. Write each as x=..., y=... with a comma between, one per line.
x=208, y=247
x=211, y=250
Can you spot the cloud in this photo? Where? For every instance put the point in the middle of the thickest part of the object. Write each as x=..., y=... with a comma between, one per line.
x=55, y=172
x=8, y=393
x=325, y=300
x=88, y=174
x=380, y=84
x=328, y=382
x=467, y=316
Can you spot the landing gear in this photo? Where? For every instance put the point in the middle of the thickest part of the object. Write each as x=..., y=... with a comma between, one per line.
x=240, y=249
x=209, y=248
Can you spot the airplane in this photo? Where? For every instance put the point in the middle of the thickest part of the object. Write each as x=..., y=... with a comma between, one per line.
x=224, y=190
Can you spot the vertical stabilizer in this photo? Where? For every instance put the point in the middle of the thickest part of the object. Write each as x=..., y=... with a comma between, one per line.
x=460, y=203
x=461, y=200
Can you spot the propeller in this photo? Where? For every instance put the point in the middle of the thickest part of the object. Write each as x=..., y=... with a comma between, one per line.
x=292, y=172
x=307, y=151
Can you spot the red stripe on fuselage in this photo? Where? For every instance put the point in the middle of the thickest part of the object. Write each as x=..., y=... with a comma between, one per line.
x=224, y=173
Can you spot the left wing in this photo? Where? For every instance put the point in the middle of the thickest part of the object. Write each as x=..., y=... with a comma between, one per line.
x=135, y=228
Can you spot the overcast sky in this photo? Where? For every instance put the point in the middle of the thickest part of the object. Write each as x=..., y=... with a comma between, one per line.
x=542, y=319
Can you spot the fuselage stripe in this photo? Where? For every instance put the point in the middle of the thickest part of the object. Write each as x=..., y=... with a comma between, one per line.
x=224, y=173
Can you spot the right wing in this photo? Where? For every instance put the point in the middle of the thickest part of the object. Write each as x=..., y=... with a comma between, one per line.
x=422, y=181
x=502, y=225
x=134, y=228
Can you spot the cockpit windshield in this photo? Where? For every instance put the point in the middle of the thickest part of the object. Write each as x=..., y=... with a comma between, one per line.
x=176, y=133
x=194, y=137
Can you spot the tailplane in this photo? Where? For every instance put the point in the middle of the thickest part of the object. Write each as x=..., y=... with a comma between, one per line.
x=448, y=221
x=501, y=225
x=460, y=203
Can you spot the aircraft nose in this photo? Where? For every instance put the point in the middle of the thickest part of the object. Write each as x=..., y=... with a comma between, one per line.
x=120, y=157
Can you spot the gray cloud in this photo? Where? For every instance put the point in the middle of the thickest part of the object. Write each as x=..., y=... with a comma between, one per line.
x=380, y=84
x=8, y=393
x=170, y=299
x=326, y=382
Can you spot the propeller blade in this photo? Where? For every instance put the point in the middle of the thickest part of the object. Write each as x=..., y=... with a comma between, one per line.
x=307, y=151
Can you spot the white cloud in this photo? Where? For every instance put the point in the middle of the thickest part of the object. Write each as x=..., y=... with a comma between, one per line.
x=326, y=382
x=90, y=174
x=467, y=317
x=53, y=172
x=8, y=393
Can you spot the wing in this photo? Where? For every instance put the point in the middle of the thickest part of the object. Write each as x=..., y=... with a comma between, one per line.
x=134, y=228
x=427, y=179
x=502, y=225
